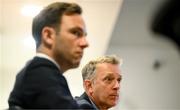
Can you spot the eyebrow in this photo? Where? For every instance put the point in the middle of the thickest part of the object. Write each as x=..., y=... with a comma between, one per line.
x=111, y=74
x=79, y=29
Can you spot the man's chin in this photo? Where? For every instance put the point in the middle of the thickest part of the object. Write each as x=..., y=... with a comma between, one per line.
x=75, y=64
x=113, y=103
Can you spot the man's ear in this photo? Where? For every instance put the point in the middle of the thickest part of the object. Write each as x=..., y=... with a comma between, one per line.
x=48, y=36
x=88, y=86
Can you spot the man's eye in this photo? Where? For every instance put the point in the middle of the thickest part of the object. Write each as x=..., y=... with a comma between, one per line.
x=77, y=33
x=108, y=79
x=119, y=80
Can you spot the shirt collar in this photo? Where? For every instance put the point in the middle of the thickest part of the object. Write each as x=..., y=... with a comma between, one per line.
x=94, y=105
x=42, y=55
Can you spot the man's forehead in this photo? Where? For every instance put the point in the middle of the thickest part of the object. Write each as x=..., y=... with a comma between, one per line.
x=75, y=18
x=73, y=21
x=108, y=73
x=107, y=66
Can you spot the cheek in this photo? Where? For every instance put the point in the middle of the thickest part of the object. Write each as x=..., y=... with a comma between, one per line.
x=101, y=91
x=96, y=89
x=63, y=45
x=68, y=46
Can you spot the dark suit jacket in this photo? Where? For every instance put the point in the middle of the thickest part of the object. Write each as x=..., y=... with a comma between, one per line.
x=40, y=84
x=84, y=102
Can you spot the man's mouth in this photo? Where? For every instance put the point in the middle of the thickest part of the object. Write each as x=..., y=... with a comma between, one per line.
x=116, y=96
x=80, y=54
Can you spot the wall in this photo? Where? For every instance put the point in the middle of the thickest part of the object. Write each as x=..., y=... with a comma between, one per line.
x=0, y=49
x=145, y=85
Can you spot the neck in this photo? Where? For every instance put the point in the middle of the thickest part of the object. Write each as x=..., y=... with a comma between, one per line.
x=102, y=107
x=63, y=66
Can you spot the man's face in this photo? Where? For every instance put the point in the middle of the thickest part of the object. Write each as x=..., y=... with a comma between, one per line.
x=70, y=41
x=106, y=85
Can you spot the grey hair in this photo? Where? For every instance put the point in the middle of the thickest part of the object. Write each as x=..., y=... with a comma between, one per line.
x=89, y=70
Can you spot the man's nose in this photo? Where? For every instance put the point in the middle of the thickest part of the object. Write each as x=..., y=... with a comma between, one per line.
x=116, y=85
x=83, y=42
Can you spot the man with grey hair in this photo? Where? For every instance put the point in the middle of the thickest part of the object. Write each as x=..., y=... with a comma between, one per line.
x=101, y=81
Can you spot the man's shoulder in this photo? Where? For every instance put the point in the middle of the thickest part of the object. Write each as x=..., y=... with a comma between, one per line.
x=40, y=65
x=40, y=70
x=84, y=102
x=37, y=61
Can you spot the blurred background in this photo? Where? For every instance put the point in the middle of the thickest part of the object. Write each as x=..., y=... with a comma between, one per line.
x=151, y=69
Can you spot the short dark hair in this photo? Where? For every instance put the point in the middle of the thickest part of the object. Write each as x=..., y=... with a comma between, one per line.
x=51, y=16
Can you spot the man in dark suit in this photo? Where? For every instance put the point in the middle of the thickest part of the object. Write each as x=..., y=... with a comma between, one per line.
x=59, y=31
x=101, y=80
x=84, y=102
